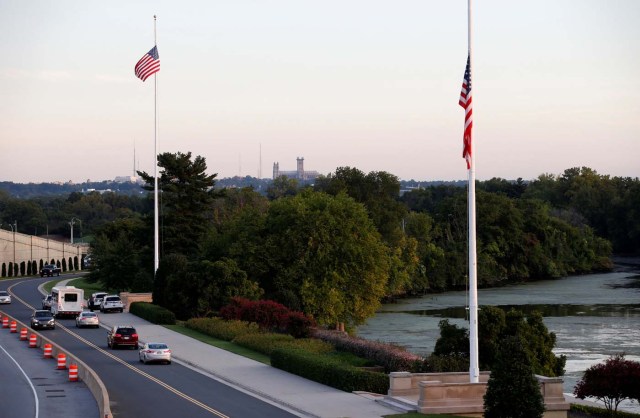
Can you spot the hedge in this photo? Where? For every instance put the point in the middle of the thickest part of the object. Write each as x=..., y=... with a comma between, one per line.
x=330, y=372
x=266, y=342
x=221, y=329
x=153, y=313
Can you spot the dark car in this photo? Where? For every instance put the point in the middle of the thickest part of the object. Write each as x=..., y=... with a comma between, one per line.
x=49, y=270
x=42, y=319
x=122, y=335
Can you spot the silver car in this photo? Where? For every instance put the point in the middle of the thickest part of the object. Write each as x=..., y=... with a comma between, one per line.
x=5, y=297
x=159, y=352
x=87, y=319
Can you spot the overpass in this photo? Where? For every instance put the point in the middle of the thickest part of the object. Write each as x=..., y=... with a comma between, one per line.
x=17, y=248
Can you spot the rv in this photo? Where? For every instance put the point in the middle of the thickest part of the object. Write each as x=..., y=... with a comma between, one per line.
x=67, y=301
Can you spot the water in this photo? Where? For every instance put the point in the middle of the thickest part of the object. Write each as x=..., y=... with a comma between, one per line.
x=593, y=316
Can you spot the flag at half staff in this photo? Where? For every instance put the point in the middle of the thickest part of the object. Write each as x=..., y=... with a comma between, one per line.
x=467, y=103
x=148, y=65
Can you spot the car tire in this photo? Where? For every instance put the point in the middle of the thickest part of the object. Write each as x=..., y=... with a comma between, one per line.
x=121, y=310
x=144, y=360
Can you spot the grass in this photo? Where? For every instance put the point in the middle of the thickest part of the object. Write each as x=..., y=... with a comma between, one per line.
x=89, y=287
x=225, y=345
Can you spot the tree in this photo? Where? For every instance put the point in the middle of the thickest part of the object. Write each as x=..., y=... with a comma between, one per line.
x=325, y=252
x=512, y=389
x=282, y=186
x=187, y=197
x=611, y=382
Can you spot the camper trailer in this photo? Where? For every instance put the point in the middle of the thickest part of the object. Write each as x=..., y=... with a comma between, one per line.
x=67, y=301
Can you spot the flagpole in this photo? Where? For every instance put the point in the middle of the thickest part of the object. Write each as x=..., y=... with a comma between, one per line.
x=156, y=246
x=474, y=371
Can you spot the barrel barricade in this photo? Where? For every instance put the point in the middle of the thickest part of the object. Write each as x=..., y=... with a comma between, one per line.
x=23, y=334
x=73, y=372
x=5, y=322
x=14, y=327
x=48, y=351
x=62, y=361
x=33, y=341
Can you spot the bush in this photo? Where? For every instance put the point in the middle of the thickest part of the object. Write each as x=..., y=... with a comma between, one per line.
x=267, y=342
x=446, y=363
x=152, y=313
x=269, y=315
x=391, y=357
x=221, y=329
x=323, y=369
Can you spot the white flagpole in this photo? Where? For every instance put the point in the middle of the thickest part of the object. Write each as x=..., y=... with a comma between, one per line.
x=474, y=371
x=156, y=246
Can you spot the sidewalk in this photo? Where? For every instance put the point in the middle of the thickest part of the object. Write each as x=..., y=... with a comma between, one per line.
x=299, y=395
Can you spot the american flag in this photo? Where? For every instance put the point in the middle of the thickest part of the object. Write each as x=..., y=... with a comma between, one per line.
x=466, y=101
x=148, y=65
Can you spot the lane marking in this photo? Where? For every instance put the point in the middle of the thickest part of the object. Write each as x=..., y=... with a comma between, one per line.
x=33, y=389
x=124, y=363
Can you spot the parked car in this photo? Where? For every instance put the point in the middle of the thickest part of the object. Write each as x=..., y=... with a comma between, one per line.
x=46, y=302
x=95, y=300
x=159, y=352
x=87, y=319
x=42, y=319
x=5, y=297
x=49, y=270
x=122, y=335
x=111, y=303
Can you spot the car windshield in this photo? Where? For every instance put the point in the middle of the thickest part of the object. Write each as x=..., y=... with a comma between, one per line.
x=126, y=331
x=113, y=299
x=3, y=293
x=88, y=314
x=158, y=346
x=41, y=314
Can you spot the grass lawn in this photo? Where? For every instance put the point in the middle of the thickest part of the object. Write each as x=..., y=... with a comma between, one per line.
x=81, y=283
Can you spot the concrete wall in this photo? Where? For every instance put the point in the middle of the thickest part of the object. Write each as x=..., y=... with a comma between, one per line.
x=22, y=247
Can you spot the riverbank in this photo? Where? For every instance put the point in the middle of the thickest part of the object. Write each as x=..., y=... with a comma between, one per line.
x=626, y=264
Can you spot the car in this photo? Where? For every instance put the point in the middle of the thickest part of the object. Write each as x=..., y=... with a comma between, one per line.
x=87, y=319
x=95, y=300
x=122, y=335
x=155, y=352
x=42, y=319
x=111, y=303
x=5, y=297
x=46, y=302
x=49, y=270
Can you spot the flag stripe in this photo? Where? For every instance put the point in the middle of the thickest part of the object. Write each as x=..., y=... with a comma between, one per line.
x=148, y=65
x=466, y=101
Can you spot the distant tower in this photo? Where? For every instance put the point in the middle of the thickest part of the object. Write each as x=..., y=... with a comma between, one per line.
x=276, y=170
x=300, y=170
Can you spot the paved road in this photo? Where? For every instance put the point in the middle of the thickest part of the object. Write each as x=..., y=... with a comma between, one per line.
x=143, y=390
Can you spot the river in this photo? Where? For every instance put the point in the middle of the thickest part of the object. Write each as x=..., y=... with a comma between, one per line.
x=593, y=317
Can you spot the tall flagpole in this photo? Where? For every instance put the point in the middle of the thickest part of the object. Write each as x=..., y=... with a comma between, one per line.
x=156, y=246
x=474, y=371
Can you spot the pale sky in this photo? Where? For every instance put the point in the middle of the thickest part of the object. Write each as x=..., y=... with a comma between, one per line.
x=368, y=84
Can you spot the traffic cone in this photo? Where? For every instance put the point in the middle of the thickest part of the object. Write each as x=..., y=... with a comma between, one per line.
x=14, y=327
x=23, y=334
x=62, y=361
x=33, y=341
x=73, y=372
x=5, y=322
x=48, y=351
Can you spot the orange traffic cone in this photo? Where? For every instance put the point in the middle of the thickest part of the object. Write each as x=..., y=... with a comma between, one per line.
x=73, y=372
x=14, y=326
x=23, y=334
x=48, y=351
x=62, y=361
x=33, y=340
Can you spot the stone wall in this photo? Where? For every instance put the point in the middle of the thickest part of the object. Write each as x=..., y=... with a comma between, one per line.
x=22, y=247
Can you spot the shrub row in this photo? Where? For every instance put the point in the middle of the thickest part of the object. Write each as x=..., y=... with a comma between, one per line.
x=591, y=411
x=324, y=370
x=391, y=357
x=221, y=329
x=152, y=313
x=269, y=315
x=266, y=342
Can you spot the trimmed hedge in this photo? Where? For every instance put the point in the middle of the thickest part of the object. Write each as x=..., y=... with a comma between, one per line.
x=592, y=411
x=221, y=329
x=323, y=369
x=153, y=313
x=266, y=342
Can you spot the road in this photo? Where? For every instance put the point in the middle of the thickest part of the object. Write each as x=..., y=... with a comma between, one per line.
x=135, y=389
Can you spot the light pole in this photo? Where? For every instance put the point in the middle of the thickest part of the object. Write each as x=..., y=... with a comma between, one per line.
x=71, y=223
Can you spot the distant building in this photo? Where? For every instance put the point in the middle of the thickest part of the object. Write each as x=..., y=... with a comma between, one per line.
x=299, y=174
x=127, y=179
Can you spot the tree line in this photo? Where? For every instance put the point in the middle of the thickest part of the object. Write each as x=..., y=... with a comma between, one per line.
x=337, y=248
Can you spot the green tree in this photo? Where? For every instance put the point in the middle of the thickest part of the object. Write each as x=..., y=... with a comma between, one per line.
x=187, y=196
x=512, y=389
x=282, y=186
x=326, y=252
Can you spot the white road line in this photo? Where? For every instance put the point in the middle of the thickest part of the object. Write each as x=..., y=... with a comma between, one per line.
x=35, y=395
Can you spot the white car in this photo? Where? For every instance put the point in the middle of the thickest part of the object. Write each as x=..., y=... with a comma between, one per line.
x=5, y=297
x=159, y=352
x=87, y=319
x=111, y=303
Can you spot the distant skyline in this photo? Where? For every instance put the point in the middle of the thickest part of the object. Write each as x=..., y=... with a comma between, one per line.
x=367, y=84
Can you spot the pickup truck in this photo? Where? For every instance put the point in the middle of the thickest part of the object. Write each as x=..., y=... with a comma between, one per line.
x=49, y=270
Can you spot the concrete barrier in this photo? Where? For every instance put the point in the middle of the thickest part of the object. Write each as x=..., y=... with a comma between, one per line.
x=85, y=373
x=128, y=298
